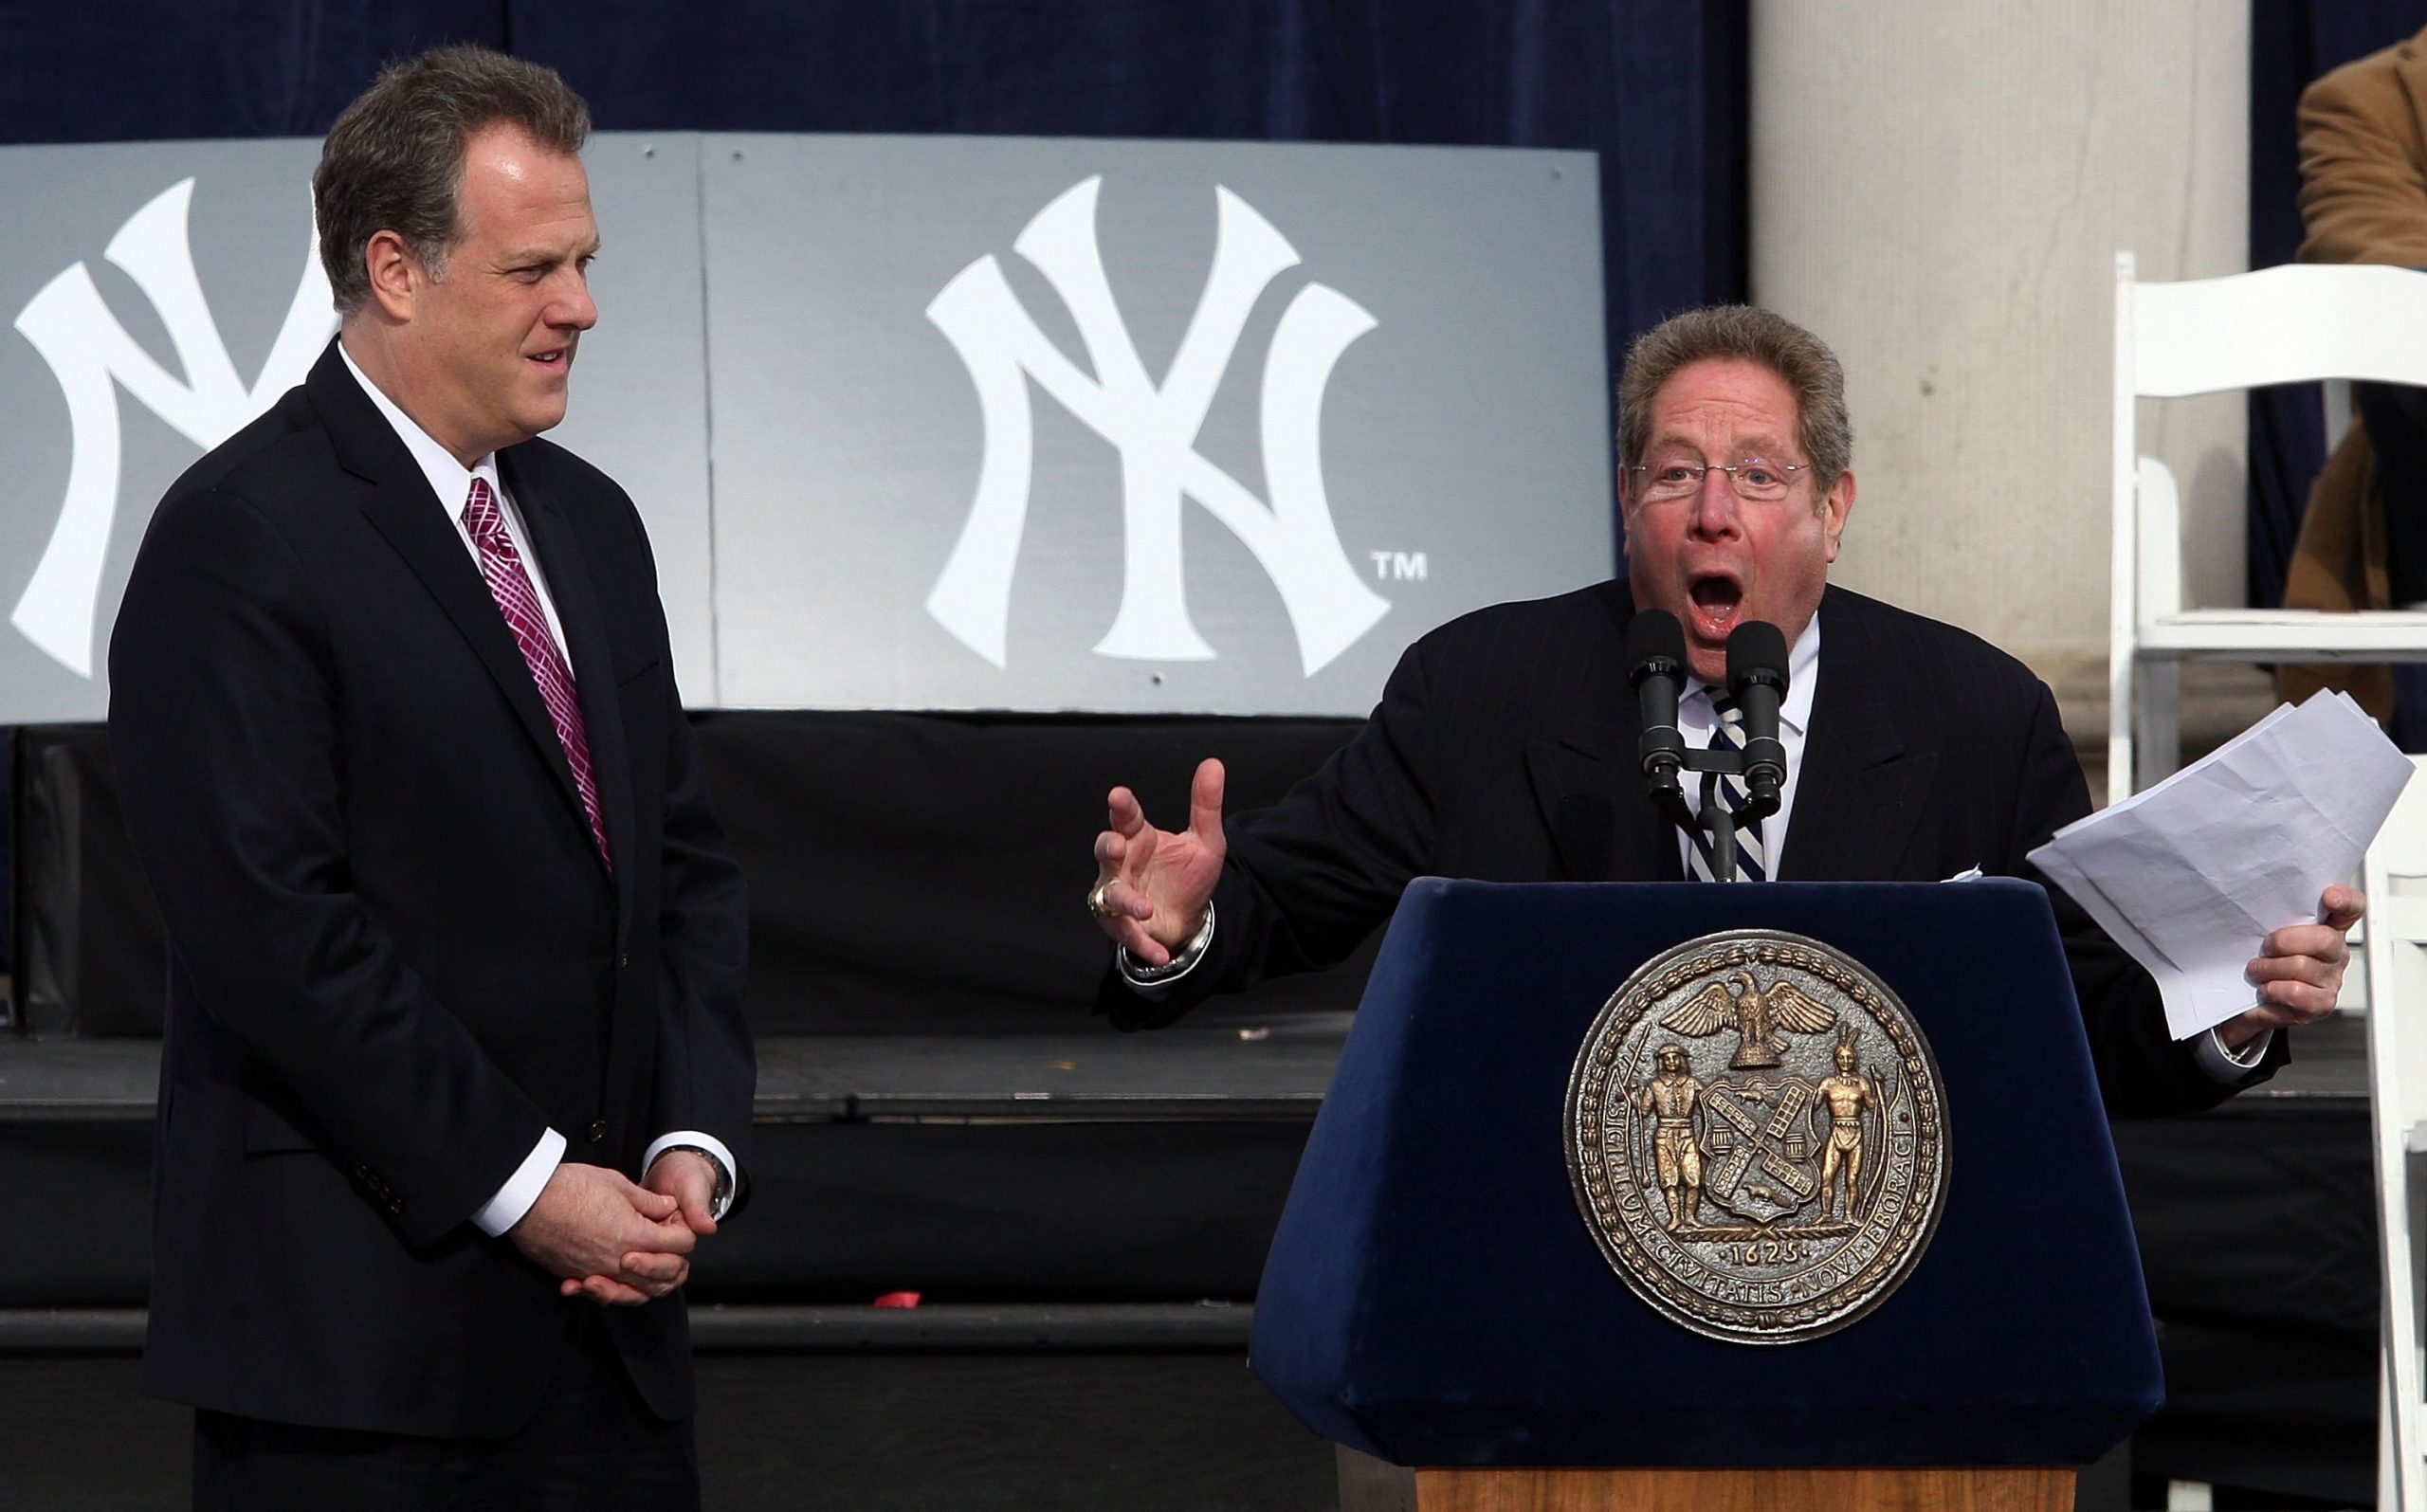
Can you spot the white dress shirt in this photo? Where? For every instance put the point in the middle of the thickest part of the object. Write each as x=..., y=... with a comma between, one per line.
x=1696, y=719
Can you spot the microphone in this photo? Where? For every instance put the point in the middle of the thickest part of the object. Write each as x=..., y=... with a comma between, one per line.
x=1656, y=653
x=1656, y=659
x=1757, y=680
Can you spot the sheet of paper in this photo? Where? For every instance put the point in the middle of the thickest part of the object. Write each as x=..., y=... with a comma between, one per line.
x=2190, y=875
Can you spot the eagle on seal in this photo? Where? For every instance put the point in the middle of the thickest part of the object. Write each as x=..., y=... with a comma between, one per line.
x=1756, y=1018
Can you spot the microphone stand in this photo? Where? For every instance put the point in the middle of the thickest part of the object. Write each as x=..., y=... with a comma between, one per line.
x=1717, y=820
x=1756, y=673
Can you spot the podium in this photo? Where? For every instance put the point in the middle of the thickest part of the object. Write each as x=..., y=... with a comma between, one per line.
x=1435, y=1303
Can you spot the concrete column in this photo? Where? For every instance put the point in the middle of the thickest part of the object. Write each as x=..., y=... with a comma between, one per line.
x=1939, y=191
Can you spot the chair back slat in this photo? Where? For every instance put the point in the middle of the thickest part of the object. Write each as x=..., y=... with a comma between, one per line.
x=2291, y=324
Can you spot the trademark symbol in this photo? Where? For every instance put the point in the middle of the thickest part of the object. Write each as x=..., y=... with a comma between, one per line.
x=1399, y=567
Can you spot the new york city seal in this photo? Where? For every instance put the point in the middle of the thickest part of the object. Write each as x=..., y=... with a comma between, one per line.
x=1756, y=1135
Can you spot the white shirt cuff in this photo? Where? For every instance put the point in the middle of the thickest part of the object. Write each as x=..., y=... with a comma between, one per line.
x=522, y=1189
x=728, y=1174
x=2232, y=1066
x=1153, y=982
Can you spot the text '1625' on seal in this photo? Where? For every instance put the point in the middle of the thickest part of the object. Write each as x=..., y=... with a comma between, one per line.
x=1756, y=1135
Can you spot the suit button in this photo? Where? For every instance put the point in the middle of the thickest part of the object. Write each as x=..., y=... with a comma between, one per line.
x=624, y=962
x=598, y=1131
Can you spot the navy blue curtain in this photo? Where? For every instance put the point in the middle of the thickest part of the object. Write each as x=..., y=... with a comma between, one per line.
x=148, y=70
x=1656, y=88
x=2292, y=43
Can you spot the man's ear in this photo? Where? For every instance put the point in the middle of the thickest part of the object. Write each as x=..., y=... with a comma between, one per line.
x=1834, y=506
x=397, y=277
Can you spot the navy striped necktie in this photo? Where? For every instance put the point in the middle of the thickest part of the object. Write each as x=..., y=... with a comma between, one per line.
x=1752, y=862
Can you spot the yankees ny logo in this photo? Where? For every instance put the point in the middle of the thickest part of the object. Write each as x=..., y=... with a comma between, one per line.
x=92, y=355
x=1155, y=428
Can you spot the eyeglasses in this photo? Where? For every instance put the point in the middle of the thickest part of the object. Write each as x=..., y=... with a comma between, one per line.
x=1754, y=479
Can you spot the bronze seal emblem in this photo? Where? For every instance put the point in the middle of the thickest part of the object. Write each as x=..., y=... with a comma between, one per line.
x=1756, y=1135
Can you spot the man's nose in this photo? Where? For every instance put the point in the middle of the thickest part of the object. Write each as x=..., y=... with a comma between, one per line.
x=1715, y=504
x=575, y=309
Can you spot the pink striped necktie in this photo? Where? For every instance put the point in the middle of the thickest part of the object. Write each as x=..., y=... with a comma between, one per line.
x=502, y=567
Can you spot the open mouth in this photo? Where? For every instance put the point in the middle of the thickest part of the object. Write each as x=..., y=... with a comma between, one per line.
x=1716, y=599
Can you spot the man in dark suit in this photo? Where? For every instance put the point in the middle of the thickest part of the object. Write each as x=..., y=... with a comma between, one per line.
x=455, y=1074
x=1504, y=747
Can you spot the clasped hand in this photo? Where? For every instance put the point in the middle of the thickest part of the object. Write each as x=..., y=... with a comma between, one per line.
x=1155, y=883
x=615, y=1241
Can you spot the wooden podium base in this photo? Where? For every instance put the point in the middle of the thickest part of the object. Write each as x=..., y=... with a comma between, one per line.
x=1368, y=1484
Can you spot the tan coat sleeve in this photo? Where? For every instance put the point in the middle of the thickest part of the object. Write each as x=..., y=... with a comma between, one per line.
x=2339, y=564
x=2363, y=160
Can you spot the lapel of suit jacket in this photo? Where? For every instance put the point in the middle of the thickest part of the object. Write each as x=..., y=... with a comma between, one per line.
x=1859, y=792
x=593, y=667
x=555, y=543
x=401, y=507
x=1587, y=781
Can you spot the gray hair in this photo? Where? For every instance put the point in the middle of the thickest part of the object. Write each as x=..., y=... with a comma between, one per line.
x=394, y=161
x=1801, y=360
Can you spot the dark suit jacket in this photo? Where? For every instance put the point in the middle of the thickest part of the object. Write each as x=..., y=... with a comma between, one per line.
x=395, y=956
x=1503, y=749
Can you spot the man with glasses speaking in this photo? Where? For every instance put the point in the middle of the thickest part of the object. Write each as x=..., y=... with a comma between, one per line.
x=1504, y=747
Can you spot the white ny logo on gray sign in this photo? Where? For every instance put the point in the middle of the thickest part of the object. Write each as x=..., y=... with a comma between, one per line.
x=1155, y=428
x=91, y=354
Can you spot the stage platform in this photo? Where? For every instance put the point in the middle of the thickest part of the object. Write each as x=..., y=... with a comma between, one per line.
x=1085, y=1214
x=1092, y=1166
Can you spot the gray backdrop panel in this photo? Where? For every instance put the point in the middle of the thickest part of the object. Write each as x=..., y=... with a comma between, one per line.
x=1465, y=425
x=807, y=451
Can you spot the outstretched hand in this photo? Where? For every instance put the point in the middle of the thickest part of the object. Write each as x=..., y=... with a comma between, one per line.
x=1155, y=883
x=2298, y=970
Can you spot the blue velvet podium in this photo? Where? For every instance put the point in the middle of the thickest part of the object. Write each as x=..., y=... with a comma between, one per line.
x=1433, y=1297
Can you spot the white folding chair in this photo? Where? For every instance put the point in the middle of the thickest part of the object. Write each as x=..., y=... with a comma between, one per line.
x=2289, y=324
x=2396, y=957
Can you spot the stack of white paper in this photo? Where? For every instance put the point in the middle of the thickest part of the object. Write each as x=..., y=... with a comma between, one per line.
x=2192, y=874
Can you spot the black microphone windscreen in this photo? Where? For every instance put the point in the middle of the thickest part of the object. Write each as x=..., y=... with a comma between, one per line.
x=1756, y=649
x=1654, y=635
